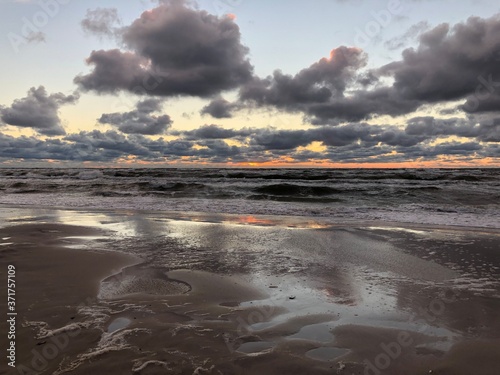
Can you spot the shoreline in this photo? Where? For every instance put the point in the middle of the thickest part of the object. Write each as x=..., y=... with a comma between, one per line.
x=294, y=221
x=238, y=296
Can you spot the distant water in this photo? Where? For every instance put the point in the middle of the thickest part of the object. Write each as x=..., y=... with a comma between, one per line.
x=468, y=197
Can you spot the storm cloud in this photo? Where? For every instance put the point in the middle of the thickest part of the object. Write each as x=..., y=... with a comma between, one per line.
x=172, y=50
x=213, y=132
x=451, y=63
x=177, y=49
x=219, y=108
x=322, y=82
x=141, y=120
x=354, y=142
x=38, y=111
x=483, y=129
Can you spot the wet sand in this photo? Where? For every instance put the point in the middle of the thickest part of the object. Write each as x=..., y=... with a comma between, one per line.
x=148, y=293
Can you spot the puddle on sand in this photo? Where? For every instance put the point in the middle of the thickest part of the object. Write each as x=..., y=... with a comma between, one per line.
x=82, y=242
x=118, y=323
x=326, y=354
x=315, y=332
x=255, y=347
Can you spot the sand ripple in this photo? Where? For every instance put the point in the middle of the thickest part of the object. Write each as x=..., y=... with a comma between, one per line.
x=137, y=280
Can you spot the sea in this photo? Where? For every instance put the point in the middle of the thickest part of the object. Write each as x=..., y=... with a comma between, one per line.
x=458, y=197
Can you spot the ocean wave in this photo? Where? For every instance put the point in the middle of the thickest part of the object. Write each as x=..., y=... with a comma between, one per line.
x=89, y=175
x=317, y=192
x=296, y=190
x=113, y=194
x=260, y=197
x=279, y=176
x=177, y=186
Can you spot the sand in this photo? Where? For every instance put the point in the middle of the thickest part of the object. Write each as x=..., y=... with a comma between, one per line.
x=146, y=293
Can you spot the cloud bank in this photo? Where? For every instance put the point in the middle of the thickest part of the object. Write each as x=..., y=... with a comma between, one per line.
x=38, y=111
x=141, y=120
x=177, y=50
x=171, y=50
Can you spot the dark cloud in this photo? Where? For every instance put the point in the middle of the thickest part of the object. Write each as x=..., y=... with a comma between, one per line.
x=115, y=70
x=174, y=50
x=213, y=132
x=418, y=131
x=112, y=145
x=321, y=82
x=31, y=148
x=86, y=146
x=219, y=108
x=101, y=21
x=141, y=120
x=360, y=105
x=487, y=130
x=490, y=151
x=149, y=105
x=322, y=91
x=432, y=127
x=38, y=111
x=450, y=63
x=109, y=145
x=485, y=99
x=357, y=142
x=453, y=148
x=366, y=135
x=274, y=139
x=218, y=150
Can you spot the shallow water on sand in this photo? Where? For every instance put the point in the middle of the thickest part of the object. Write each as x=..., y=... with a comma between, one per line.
x=242, y=288
x=117, y=324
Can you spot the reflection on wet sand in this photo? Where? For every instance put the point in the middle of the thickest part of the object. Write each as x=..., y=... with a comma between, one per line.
x=243, y=294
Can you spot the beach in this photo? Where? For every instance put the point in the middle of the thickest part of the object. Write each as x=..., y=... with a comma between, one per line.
x=230, y=187
x=122, y=291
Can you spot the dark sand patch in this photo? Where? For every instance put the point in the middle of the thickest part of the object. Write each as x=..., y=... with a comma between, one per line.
x=52, y=283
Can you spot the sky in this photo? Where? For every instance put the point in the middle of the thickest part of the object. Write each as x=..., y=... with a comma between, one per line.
x=240, y=83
